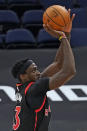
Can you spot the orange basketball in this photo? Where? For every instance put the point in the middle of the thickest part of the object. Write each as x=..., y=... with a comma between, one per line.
x=56, y=16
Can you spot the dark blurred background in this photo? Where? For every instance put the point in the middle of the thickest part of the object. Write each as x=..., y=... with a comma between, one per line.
x=22, y=36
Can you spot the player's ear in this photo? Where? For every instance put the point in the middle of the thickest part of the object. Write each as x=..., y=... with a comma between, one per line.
x=23, y=76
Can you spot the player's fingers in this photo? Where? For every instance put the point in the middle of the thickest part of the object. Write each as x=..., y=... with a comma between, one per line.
x=73, y=16
x=49, y=29
x=43, y=25
x=52, y=32
x=69, y=11
x=46, y=27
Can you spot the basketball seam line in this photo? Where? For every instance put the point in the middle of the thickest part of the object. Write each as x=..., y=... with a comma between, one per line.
x=54, y=21
x=60, y=14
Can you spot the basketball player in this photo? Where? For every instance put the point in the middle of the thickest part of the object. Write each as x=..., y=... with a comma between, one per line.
x=32, y=111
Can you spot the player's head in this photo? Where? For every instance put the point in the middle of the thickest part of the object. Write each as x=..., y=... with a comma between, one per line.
x=25, y=70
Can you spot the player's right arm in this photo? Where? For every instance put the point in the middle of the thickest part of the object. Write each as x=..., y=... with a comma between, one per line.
x=68, y=68
x=59, y=58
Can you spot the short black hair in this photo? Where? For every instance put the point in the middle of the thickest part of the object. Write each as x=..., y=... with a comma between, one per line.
x=16, y=68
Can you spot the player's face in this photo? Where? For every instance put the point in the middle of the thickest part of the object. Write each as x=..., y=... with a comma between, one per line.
x=32, y=72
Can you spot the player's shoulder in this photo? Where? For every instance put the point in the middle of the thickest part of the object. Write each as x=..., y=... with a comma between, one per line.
x=41, y=85
x=42, y=81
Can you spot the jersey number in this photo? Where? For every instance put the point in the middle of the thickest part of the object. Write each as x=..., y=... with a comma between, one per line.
x=15, y=126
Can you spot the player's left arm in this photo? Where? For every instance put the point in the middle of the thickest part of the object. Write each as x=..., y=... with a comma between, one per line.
x=58, y=61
